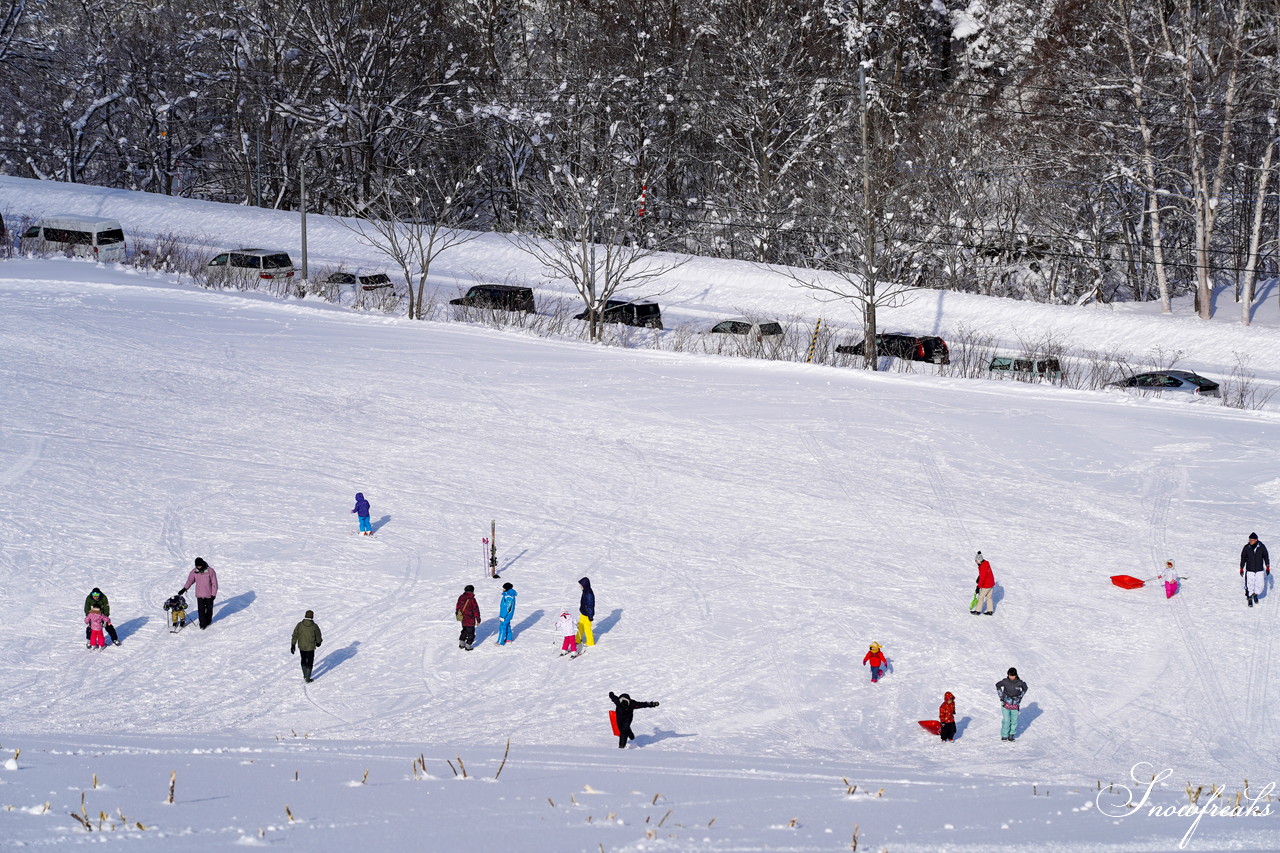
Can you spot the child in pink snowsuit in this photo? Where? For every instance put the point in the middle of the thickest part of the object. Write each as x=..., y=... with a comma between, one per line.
x=569, y=630
x=1170, y=578
x=95, y=620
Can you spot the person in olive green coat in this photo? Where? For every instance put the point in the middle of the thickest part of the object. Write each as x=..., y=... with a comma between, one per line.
x=97, y=598
x=306, y=638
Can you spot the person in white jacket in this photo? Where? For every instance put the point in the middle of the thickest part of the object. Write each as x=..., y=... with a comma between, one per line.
x=568, y=628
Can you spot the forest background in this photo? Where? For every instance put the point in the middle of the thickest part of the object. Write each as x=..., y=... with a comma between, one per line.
x=1052, y=150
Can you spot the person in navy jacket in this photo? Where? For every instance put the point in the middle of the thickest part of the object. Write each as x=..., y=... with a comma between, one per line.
x=586, y=612
x=362, y=513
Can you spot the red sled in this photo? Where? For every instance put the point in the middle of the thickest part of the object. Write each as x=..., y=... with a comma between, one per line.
x=933, y=727
x=613, y=721
x=1127, y=582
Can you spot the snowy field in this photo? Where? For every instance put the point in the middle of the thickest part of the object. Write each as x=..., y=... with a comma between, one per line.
x=749, y=527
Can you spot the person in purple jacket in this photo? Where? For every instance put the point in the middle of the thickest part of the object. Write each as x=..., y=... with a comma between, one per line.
x=205, y=580
x=362, y=513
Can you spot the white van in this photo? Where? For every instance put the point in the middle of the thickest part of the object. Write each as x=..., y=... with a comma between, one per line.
x=84, y=236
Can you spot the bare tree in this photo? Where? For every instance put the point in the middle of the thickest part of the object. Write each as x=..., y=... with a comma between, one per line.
x=589, y=221
x=413, y=219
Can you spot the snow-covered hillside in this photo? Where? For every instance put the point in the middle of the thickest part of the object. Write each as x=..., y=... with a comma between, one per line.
x=750, y=527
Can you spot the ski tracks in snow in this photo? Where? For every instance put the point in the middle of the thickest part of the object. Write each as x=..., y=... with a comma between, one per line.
x=1162, y=487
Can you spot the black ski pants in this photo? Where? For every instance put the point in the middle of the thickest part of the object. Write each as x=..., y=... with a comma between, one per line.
x=468, y=635
x=204, y=607
x=948, y=731
x=308, y=659
x=110, y=629
x=624, y=734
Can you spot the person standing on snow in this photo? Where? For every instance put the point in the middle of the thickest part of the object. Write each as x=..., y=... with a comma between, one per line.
x=565, y=625
x=1254, y=561
x=506, y=610
x=1010, y=690
x=623, y=709
x=97, y=598
x=947, y=716
x=94, y=623
x=1169, y=577
x=468, y=613
x=362, y=513
x=586, y=612
x=205, y=580
x=877, y=660
x=306, y=636
x=984, y=586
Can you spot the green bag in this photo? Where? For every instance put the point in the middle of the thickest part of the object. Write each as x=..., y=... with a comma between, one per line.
x=973, y=605
x=457, y=614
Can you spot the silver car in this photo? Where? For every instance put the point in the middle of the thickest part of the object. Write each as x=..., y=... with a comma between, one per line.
x=1177, y=381
x=247, y=264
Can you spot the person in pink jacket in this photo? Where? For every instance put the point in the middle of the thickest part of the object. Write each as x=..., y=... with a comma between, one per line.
x=205, y=580
x=96, y=621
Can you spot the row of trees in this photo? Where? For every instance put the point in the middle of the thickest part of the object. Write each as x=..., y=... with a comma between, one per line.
x=1055, y=150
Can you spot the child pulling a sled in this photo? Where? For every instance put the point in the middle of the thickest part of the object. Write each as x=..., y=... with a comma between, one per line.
x=177, y=607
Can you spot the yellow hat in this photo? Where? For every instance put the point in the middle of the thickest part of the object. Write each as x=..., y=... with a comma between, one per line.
x=875, y=647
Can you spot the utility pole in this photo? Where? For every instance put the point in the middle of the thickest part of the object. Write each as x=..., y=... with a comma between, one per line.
x=302, y=198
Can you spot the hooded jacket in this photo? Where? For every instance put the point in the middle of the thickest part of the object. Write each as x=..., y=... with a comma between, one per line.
x=507, y=607
x=100, y=602
x=986, y=578
x=204, y=580
x=95, y=621
x=587, y=606
x=306, y=636
x=947, y=710
x=565, y=625
x=876, y=659
x=469, y=609
x=624, y=709
x=362, y=506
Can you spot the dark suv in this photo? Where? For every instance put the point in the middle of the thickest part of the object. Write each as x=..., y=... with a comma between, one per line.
x=506, y=297
x=911, y=347
x=628, y=313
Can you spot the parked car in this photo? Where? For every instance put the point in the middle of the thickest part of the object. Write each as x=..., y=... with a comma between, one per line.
x=748, y=329
x=249, y=264
x=365, y=279
x=506, y=297
x=1179, y=381
x=84, y=236
x=911, y=347
x=1046, y=368
x=646, y=314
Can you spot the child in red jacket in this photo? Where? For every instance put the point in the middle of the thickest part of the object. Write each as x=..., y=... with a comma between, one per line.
x=947, y=716
x=877, y=661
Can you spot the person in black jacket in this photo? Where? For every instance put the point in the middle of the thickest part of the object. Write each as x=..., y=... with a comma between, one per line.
x=1254, y=561
x=624, y=707
x=1010, y=690
x=586, y=613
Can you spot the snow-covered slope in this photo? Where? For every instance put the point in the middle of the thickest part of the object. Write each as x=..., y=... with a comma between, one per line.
x=749, y=528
